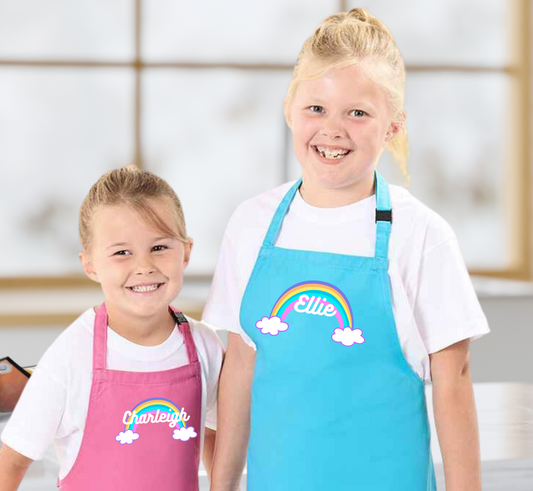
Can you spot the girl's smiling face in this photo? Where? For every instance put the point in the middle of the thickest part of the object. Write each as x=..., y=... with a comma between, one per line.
x=139, y=268
x=341, y=123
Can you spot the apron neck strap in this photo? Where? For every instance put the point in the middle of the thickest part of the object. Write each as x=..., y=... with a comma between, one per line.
x=185, y=330
x=277, y=221
x=383, y=216
x=100, y=336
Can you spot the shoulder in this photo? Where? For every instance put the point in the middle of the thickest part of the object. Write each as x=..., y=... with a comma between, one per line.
x=413, y=221
x=257, y=212
x=206, y=339
x=210, y=350
x=72, y=346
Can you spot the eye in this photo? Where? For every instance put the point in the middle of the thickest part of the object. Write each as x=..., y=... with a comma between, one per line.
x=316, y=109
x=358, y=113
x=159, y=248
x=122, y=253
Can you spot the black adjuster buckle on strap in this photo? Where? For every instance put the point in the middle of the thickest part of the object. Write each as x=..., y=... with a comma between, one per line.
x=180, y=318
x=384, y=215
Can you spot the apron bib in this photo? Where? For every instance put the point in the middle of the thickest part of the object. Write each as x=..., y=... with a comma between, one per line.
x=143, y=428
x=334, y=404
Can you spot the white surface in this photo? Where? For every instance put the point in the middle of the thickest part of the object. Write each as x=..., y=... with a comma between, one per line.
x=505, y=419
x=494, y=287
x=505, y=413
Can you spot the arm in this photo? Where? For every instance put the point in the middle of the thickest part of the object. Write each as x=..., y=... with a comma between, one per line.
x=233, y=417
x=13, y=466
x=455, y=417
x=209, y=448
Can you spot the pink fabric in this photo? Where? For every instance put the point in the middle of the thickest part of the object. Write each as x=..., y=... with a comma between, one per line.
x=154, y=459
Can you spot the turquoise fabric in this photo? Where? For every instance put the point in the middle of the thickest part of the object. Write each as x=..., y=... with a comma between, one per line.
x=335, y=406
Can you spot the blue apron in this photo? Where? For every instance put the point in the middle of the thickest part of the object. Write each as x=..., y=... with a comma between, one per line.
x=335, y=405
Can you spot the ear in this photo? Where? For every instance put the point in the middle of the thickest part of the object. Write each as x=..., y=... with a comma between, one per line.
x=87, y=266
x=395, y=127
x=287, y=112
x=187, y=252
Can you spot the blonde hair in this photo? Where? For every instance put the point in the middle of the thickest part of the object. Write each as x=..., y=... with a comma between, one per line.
x=356, y=37
x=132, y=187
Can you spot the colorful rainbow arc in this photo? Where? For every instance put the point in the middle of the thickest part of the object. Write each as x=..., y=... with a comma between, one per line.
x=152, y=406
x=329, y=294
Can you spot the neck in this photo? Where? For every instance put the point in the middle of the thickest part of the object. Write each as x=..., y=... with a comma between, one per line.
x=325, y=197
x=145, y=331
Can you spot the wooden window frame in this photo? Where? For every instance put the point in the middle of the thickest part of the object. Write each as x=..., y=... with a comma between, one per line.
x=518, y=169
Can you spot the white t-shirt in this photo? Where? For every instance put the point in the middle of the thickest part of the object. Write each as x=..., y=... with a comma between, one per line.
x=433, y=299
x=53, y=406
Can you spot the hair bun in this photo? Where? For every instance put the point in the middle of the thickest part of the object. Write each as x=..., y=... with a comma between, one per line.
x=130, y=168
x=359, y=14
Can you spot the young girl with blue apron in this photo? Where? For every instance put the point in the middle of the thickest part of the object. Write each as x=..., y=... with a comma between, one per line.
x=334, y=406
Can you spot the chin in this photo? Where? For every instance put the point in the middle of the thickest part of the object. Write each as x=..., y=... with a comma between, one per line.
x=332, y=179
x=338, y=178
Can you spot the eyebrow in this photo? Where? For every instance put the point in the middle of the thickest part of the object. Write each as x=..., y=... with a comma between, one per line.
x=156, y=239
x=362, y=103
x=353, y=104
x=117, y=244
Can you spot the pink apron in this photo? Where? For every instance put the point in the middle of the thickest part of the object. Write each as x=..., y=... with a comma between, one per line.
x=143, y=428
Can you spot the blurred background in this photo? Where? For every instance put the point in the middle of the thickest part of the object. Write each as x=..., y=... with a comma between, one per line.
x=193, y=92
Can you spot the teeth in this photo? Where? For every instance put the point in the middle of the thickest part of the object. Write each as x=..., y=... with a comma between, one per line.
x=331, y=154
x=146, y=288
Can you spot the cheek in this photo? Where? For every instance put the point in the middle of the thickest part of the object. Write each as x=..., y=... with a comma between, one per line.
x=173, y=265
x=112, y=271
x=368, y=134
x=303, y=130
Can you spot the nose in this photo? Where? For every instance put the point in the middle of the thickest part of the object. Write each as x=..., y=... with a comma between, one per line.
x=332, y=127
x=144, y=265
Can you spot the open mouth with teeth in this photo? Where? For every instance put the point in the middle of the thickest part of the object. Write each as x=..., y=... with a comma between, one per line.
x=331, y=153
x=145, y=288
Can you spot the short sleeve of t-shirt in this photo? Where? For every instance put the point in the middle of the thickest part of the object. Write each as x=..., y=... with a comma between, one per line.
x=214, y=352
x=445, y=306
x=224, y=301
x=33, y=425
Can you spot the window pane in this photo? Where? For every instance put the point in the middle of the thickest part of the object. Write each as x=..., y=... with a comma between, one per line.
x=458, y=134
x=457, y=32
x=60, y=130
x=229, y=31
x=217, y=137
x=63, y=29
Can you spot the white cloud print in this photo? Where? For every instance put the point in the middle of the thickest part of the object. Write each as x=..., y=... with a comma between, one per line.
x=184, y=434
x=347, y=336
x=126, y=437
x=272, y=325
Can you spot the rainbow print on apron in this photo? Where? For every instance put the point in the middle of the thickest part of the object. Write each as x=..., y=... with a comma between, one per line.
x=314, y=298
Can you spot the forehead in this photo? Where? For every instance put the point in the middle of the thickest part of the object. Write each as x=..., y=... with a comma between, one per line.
x=348, y=84
x=122, y=220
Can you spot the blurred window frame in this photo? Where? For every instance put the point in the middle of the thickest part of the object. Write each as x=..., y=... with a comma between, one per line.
x=518, y=164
